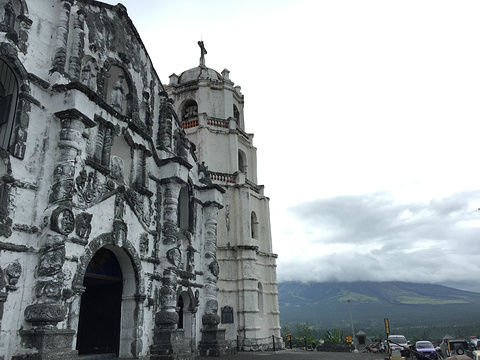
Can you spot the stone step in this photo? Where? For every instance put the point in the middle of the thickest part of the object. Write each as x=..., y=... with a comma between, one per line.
x=98, y=356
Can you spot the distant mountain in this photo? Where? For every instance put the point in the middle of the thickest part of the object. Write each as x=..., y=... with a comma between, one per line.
x=404, y=304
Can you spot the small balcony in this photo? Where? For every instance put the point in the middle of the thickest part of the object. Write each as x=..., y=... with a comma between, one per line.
x=237, y=178
x=202, y=120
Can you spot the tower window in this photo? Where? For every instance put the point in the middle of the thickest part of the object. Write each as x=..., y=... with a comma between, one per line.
x=254, y=225
x=190, y=110
x=242, y=162
x=236, y=114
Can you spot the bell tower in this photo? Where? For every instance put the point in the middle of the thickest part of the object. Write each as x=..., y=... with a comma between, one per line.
x=211, y=110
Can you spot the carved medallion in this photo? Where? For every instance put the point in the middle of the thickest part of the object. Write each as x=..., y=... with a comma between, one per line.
x=174, y=256
x=62, y=221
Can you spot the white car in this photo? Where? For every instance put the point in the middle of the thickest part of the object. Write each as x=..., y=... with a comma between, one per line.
x=399, y=342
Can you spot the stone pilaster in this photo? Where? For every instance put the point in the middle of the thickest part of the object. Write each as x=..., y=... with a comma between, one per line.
x=168, y=341
x=61, y=38
x=78, y=42
x=164, y=134
x=170, y=217
x=49, y=307
x=69, y=145
x=213, y=339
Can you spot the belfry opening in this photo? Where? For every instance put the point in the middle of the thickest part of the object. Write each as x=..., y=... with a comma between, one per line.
x=100, y=309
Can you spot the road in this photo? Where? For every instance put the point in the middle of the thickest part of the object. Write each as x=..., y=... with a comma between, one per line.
x=296, y=354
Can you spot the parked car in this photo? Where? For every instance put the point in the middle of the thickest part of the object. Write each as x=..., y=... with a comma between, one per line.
x=425, y=350
x=476, y=355
x=399, y=342
x=451, y=347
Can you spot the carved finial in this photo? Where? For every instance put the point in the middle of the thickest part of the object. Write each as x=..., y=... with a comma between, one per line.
x=203, y=52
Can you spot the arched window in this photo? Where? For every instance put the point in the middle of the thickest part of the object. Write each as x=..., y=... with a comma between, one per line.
x=254, y=225
x=8, y=101
x=236, y=114
x=242, y=162
x=190, y=110
x=261, y=307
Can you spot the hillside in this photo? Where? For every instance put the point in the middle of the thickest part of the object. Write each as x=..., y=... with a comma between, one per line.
x=405, y=304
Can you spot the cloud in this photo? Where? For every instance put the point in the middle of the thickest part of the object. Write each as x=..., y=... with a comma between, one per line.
x=374, y=237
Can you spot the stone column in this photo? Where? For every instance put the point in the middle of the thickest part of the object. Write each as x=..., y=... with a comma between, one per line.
x=69, y=146
x=61, y=38
x=75, y=63
x=74, y=313
x=49, y=307
x=168, y=340
x=164, y=134
x=213, y=339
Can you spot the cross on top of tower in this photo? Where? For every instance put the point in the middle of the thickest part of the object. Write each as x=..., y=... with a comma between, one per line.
x=203, y=51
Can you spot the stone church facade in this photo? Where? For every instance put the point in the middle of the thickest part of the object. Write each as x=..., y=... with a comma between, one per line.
x=114, y=235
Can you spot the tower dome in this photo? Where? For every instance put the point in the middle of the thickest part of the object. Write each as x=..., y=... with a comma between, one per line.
x=197, y=73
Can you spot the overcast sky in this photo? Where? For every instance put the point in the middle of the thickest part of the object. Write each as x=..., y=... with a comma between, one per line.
x=366, y=120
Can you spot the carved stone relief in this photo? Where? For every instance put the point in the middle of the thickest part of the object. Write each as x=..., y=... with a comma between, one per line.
x=83, y=226
x=142, y=205
x=116, y=168
x=182, y=144
x=118, y=94
x=174, y=256
x=52, y=256
x=90, y=188
x=203, y=175
x=190, y=259
x=5, y=220
x=120, y=232
x=144, y=244
x=88, y=75
x=13, y=272
x=119, y=206
x=213, y=267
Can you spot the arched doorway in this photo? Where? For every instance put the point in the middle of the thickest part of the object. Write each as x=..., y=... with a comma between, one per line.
x=100, y=309
x=186, y=318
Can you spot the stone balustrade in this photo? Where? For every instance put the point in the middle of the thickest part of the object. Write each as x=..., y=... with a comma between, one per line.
x=235, y=178
x=215, y=123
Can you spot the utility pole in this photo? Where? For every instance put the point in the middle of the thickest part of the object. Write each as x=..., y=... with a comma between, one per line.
x=351, y=321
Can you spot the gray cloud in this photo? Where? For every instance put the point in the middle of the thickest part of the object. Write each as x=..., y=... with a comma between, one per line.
x=430, y=242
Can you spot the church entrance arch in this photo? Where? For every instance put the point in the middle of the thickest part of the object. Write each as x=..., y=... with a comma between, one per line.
x=100, y=310
x=125, y=277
